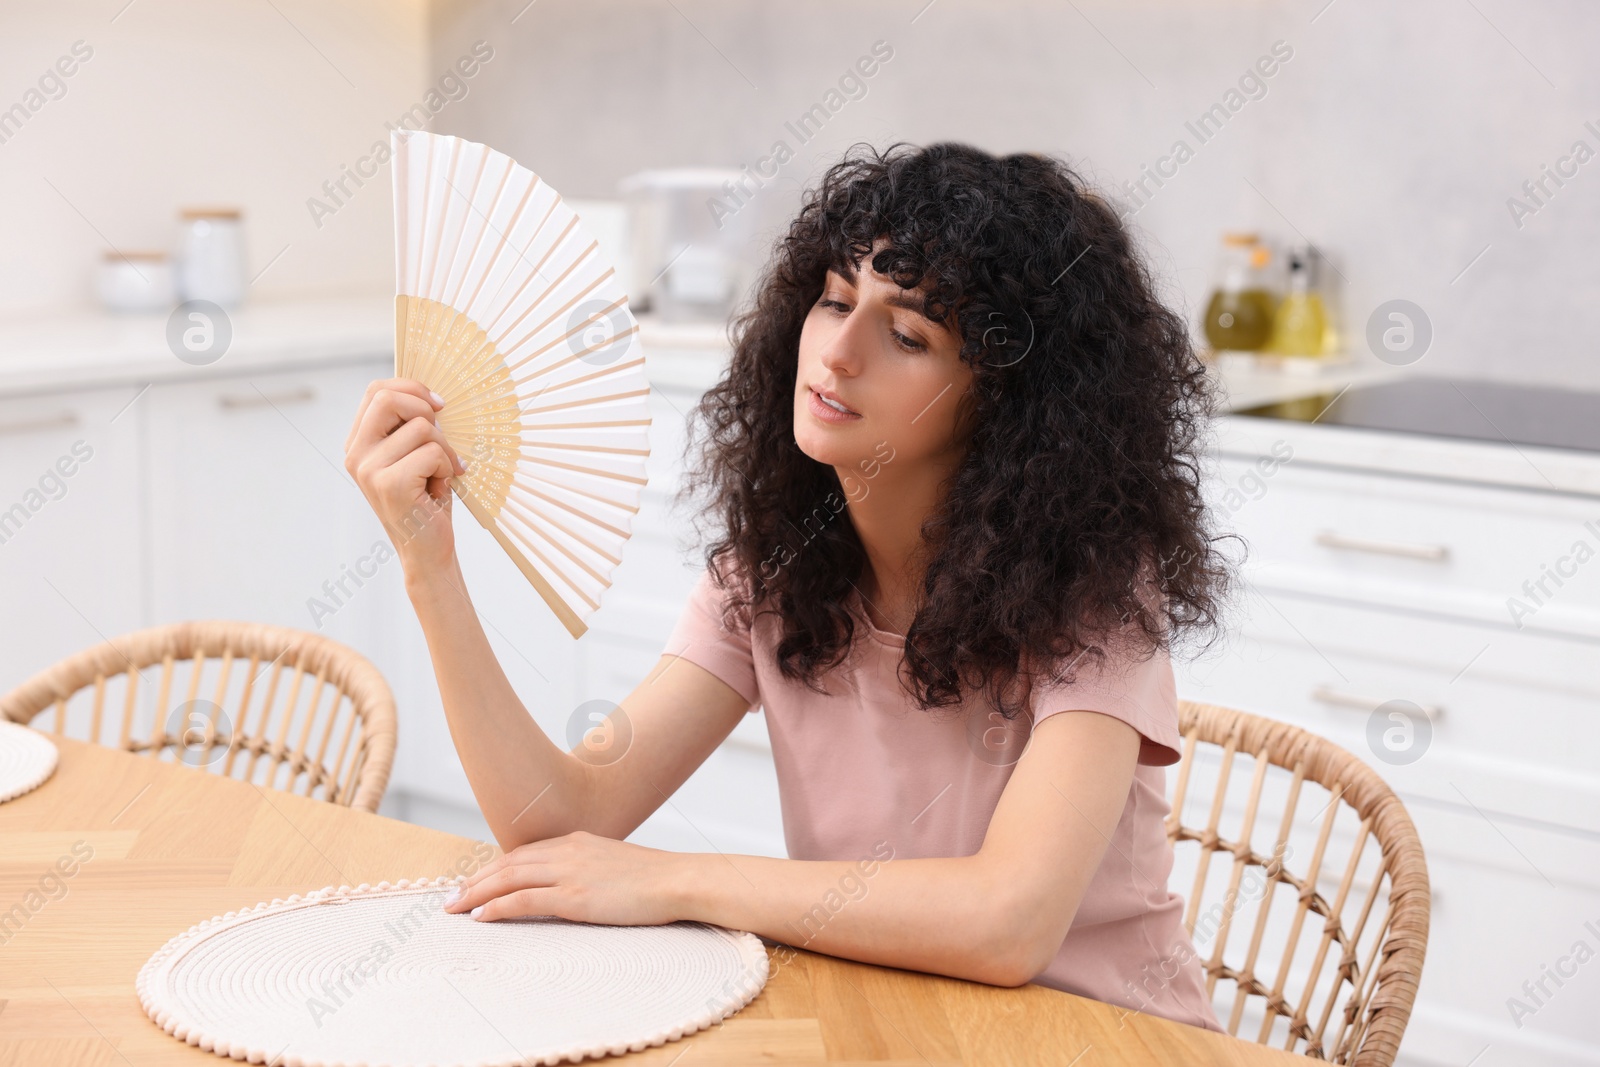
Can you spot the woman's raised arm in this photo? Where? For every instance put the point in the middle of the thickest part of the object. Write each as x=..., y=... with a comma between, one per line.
x=528, y=787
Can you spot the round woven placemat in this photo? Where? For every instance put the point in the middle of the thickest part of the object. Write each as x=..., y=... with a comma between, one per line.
x=27, y=758
x=359, y=977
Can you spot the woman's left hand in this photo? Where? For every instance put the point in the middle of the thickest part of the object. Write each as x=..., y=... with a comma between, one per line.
x=582, y=877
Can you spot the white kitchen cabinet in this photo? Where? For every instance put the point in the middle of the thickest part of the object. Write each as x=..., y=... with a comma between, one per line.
x=72, y=524
x=1513, y=724
x=1368, y=583
x=252, y=515
x=1480, y=551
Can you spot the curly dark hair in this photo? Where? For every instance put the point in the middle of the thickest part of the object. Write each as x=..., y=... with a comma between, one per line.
x=1079, y=493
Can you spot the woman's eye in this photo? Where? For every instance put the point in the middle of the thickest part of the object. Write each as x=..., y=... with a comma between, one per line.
x=907, y=343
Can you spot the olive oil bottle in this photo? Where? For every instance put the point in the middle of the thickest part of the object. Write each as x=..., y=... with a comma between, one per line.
x=1242, y=308
x=1300, y=325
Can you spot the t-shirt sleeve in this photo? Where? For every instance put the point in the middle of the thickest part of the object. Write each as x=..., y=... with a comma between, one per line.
x=701, y=638
x=1138, y=690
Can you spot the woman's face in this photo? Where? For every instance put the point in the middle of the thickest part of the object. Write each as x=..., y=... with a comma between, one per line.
x=866, y=345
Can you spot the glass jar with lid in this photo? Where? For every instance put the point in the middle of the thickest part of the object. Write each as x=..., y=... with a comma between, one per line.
x=1239, y=314
x=211, y=256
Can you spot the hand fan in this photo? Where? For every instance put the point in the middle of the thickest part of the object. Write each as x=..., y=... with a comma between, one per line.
x=506, y=307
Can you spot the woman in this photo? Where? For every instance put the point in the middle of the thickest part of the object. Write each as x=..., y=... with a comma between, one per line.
x=951, y=469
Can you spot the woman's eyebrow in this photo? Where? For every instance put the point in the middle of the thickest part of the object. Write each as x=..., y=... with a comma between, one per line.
x=910, y=303
x=901, y=298
x=913, y=300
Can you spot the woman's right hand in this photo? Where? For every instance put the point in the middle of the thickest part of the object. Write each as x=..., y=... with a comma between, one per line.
x=398, y=456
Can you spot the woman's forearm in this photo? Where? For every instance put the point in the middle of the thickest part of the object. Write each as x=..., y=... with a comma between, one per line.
x=946, y=916
x=527, y=787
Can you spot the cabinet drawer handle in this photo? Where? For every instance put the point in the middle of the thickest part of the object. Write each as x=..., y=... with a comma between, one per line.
x=1432, y=553
x=1326, y=694
x=259, y=400
x=51, y=422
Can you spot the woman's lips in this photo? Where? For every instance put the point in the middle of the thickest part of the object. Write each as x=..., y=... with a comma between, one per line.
x=826, y=413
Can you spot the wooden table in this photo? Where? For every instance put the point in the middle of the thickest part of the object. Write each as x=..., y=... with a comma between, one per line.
x=173, y=845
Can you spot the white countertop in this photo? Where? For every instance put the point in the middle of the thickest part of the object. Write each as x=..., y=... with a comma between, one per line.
x=92, y=348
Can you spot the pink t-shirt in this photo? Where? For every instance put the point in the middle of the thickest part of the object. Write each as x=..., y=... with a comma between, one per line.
x=862, y=766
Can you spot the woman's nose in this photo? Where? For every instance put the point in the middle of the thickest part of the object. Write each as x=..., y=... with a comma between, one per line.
x=843, y=349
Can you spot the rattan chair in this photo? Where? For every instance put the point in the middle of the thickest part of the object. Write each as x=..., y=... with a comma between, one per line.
x=1346, y=948
x=249, y=691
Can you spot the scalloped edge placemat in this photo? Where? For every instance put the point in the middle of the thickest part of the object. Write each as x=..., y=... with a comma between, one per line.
x=173, y=1015
x=27, y=759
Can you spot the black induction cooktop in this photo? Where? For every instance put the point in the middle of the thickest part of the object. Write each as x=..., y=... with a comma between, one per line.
x=1454, y=407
